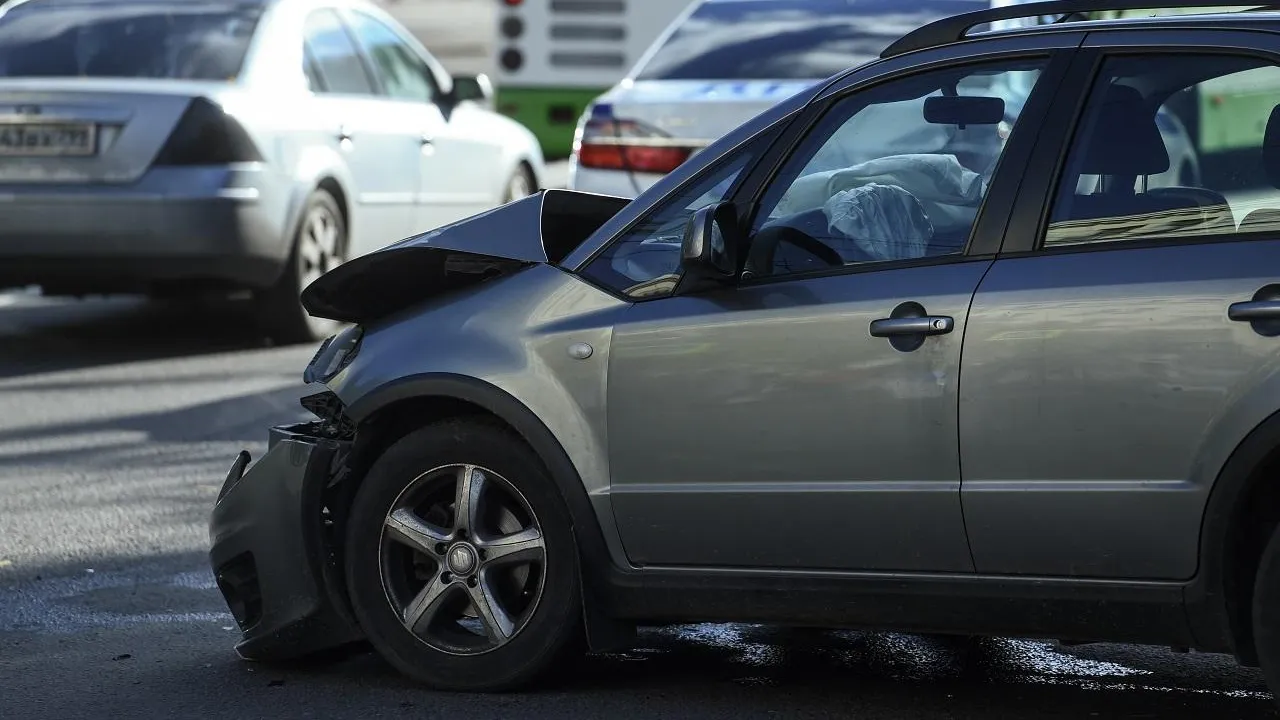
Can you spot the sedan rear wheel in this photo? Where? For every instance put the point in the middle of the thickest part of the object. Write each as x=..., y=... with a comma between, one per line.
x=520, y=184
x=460, y=562
x=319, y=246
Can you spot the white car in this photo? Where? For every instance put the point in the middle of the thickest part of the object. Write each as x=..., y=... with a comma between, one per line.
x=168, y=147
x=718, y=64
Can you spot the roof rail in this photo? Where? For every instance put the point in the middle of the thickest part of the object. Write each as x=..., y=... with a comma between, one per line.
x=953, y=29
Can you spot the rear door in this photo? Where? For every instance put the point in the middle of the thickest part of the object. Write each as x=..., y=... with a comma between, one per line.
x=1123, y=344
x=378, y=139
x=459, y=165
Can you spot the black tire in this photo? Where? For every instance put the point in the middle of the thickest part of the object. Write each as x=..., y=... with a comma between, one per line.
x=553, y=627
x=1266, y=613
x=279, y=310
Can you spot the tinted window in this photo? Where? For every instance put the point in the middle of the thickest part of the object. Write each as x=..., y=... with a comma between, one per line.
x=205, y=41
x=403, y=73
x=1173, y=146
x=335, y=55
x=895, y=172
x=787, y=39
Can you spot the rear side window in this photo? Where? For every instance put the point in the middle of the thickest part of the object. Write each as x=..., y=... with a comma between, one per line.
x=178, y=40
x=403, y=73
x=334, y=56
x=788, y=39
x=1173, y=147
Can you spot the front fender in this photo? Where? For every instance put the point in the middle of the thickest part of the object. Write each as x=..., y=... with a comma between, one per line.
x=502, y=346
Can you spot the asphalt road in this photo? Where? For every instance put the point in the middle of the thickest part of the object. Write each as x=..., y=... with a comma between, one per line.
x=118, y=419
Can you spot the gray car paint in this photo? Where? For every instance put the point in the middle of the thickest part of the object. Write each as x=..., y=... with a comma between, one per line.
x=513, y=333
x=1125, y=352
x=660, y=511
x=764, y=427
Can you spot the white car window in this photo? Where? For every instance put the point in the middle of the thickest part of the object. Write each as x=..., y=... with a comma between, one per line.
x=336, y=58
x=404, y=74
x=178, y=40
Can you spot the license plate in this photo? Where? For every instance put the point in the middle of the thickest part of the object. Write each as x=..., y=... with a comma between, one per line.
x=47, y=139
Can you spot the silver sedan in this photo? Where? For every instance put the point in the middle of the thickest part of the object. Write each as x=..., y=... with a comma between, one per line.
x=171, y=147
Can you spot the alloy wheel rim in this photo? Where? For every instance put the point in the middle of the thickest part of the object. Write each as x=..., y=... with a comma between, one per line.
x=320, y=245
x=462, y=559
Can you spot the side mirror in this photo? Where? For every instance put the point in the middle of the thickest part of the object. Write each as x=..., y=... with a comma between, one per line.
x=708, y=250
x=475, y=88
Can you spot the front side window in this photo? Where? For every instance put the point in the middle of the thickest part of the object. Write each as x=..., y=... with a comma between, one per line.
x=645, y=261
x=404, y=74
x=1172, y=147
x=894, y=172
x=172, y=40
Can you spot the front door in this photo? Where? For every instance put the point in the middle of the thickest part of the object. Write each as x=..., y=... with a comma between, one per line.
x=806, y=418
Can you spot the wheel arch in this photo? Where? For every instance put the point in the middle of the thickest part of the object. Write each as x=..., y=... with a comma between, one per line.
x=405, y=404
x=331, y=185
x=1242, y=511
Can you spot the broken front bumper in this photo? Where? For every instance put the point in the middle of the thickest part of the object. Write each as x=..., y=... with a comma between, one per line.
x=269, y=549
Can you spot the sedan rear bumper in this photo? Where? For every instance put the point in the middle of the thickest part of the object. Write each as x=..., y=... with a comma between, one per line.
x=174, y=225
x=269, y=554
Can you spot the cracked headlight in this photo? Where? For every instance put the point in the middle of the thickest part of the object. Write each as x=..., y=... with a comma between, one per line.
x=335, y=353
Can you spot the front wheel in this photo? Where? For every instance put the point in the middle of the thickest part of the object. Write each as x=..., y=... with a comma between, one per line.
x=460, y=560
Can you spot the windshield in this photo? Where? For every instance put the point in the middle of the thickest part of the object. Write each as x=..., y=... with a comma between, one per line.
x=179, y=40
x=789, y=39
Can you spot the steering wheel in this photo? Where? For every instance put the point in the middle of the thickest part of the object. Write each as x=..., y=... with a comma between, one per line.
x=765, y=245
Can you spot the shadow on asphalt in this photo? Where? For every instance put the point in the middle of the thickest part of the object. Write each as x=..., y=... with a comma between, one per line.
x=49, y=335
x=152, y=639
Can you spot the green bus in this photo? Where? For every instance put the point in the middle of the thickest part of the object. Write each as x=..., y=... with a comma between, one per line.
x=555, y=56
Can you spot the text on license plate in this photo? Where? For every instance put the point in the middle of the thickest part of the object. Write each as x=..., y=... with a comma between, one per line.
x=47, y=139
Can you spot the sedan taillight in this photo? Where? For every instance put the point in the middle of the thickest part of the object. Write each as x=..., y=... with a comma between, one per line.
x=608, y=143
x=207, y=135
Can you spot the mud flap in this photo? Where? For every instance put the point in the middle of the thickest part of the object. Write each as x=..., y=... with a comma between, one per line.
x=604, y=634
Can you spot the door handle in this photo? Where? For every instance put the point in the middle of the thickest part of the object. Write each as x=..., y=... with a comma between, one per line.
x=1254, y=310
x=925, y=325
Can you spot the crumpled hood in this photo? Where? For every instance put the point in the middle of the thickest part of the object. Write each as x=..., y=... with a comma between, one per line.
x=542, y=228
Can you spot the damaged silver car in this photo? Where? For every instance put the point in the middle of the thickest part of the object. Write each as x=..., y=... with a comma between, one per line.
x=742, y=396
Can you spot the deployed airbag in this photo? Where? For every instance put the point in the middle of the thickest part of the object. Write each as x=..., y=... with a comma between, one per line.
x=884, y=222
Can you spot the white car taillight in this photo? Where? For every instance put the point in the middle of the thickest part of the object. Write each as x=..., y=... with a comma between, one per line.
x=609, y=143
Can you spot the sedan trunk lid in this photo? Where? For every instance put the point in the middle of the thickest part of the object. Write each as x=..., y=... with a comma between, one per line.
x=61, y=130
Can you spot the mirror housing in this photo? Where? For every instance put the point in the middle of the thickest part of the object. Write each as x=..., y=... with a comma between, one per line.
x=708, y=251
x=473, y=88
x=963, y=110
